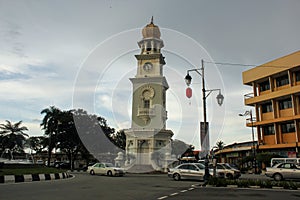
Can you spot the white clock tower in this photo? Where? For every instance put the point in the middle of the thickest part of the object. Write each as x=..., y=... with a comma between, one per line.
x=148, y=140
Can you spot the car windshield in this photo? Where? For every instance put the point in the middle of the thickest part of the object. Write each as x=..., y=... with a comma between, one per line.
x=200, y=166
x=227, y=166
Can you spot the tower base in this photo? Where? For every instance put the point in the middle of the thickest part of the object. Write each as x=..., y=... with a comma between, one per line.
x=147, y=150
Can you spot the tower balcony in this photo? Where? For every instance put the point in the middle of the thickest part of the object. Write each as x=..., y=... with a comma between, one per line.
x=146, y=112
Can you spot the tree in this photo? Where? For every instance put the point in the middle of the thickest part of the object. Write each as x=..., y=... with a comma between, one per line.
x=118, y=139
x=13, y=136
x=50, y=125
x=265, y=157
x=37, y=143
x=68, y=140
x=219, y=145
x=96, y=134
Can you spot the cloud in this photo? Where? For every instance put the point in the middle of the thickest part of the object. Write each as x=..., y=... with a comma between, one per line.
x=8, y=75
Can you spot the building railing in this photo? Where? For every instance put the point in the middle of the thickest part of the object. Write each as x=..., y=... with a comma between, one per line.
x=248, y=120
x=146, y=112
x=249, y=95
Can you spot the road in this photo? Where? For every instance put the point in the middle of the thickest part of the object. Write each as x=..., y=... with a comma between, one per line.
x=131, y=187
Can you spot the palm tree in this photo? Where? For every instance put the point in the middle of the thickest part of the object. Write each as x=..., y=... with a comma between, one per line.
x=219, y=145
x=50, y=125
x=12, y=135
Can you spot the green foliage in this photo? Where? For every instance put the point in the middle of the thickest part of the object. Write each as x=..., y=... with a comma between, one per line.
x=219, y=145
x=70, y=130
x=36, y=170
x=266, y=157
x=12, y=136
x=36, y=143
x=266, y=184
x=244, y=183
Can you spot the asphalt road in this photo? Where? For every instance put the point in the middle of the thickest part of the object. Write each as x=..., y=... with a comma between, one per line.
x=131, y=187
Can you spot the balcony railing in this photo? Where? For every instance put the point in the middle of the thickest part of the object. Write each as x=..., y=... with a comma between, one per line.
x=150, y=112
x=248, y=120
x=249, y=95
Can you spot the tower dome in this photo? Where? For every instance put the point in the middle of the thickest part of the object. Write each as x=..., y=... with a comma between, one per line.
x=151, y=30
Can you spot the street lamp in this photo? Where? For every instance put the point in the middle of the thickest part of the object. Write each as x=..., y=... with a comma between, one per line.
x=249, y=112
x=204, y=141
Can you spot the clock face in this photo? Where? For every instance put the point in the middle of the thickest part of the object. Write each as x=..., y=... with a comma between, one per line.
x=148, y=66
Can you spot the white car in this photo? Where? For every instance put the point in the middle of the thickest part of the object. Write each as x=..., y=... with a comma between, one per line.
x=188, y=171
x=224, y=170
x=105, y=169
x=283, y=171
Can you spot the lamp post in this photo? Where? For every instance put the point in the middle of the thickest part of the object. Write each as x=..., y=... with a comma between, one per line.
x=220, y=99
x=249, y=112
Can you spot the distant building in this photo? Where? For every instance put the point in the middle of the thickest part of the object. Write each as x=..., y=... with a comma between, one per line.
x=276, y=100
x=233, y=153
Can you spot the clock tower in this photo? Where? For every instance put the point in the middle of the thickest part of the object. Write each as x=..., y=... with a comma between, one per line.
x=148, y=140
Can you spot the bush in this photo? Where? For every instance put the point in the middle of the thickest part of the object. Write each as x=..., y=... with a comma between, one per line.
x=266, y=184
x=244, y=183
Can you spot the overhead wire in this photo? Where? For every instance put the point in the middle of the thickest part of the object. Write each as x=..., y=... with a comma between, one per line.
x=246, y=65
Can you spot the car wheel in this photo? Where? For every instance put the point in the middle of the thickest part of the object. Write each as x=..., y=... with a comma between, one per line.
x=229, y=176
x=277, y=177
x=92, y=172
x=109, y=173
x=176, y=177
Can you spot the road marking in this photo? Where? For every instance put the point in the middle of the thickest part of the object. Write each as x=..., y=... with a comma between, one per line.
x=175, y=193
x=164, y=197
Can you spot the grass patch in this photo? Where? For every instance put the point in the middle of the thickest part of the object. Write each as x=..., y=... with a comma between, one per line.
x=35, y=170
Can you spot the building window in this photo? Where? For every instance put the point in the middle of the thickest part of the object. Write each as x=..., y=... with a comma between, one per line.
x=297, y=74
x=268, y=130
x=285, y=104
x=267, y=107
x=264, y=86
x=282, y=80
x=288, y=127
x=146, y=103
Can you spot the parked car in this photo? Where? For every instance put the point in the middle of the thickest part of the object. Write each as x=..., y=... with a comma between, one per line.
x=105, y=169
x=282, y=171
x=224, y=170
x=85, y=168
x=39, y=162
x=188, y=171
x=62, y=164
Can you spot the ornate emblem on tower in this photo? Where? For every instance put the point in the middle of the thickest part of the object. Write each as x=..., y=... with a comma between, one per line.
x=148, y=140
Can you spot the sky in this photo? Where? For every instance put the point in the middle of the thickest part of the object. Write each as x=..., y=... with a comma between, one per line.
x=80, y=54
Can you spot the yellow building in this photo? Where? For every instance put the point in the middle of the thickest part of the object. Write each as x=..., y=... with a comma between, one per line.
x=276, y=99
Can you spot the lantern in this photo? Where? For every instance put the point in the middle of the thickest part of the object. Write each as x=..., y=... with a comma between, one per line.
x=188, y=92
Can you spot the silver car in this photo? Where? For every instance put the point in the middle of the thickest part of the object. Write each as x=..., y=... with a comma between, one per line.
x=187, y=171
x=224, y=170
x=283, y=171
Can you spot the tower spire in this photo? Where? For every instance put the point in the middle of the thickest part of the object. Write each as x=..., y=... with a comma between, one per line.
x=152, y=19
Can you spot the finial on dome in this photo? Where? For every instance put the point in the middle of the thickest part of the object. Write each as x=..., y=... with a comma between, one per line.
x=151, y=30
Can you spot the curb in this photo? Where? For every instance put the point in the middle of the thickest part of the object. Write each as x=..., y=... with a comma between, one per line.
x=33, y=177
x=250, y=187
